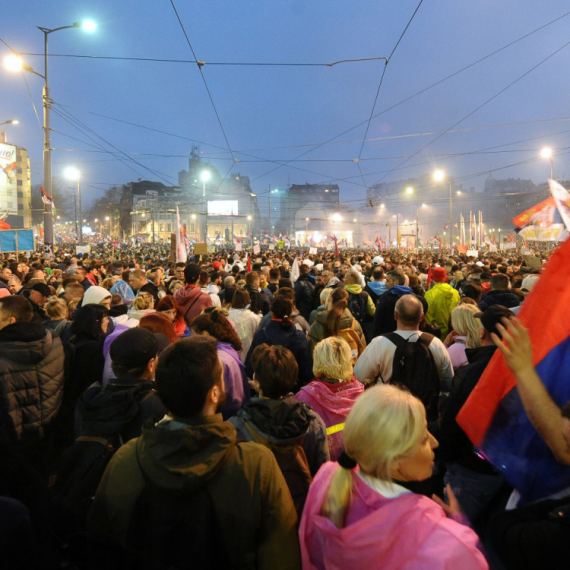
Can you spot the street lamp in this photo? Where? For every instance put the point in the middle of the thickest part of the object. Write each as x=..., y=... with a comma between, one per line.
x=547, y=153
x=71, y=173
x=13, y=63
x=10, y=122
x=108, y=219
x=439, y=176
x=205, y=175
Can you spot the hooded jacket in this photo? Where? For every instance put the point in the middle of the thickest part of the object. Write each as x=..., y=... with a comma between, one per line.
x=317, y=332
x=31, y=380
x=442, y=298
x=355, y=289
x=499, y=297
x=235, y=379
x=375, y=289
x=304, y=295
x=192, y=302
x=408, y=532
x=254, y=509
x=285, y=421
x=384, y=321
x=332, y=402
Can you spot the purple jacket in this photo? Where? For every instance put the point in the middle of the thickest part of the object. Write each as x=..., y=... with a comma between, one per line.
x=235, y=380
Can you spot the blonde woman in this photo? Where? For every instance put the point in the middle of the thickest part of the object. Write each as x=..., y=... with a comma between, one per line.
x=334, y=390
x=142, y=305
x=465, y=333
x=359, y=514
x=56, y=310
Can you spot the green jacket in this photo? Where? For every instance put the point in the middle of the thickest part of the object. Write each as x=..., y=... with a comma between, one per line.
x=442, y=298
x=357, y=289
x=253, y=505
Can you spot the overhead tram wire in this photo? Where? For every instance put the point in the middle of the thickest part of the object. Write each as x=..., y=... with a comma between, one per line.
x=200, y=65
x=429, y=87
x=500, y=92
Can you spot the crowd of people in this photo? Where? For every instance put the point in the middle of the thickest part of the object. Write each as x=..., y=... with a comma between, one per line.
x=281, y=411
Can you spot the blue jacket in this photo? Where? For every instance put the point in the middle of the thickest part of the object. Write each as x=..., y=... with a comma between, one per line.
x=384, y=321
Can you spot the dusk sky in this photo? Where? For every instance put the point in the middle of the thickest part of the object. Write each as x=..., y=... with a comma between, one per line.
x=294, y=124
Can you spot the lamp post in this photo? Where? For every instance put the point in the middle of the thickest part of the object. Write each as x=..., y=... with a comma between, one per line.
x=547, y=153
x=204, y=176
x=73, y=174
x=409, y=192
x=10, y=122
x=15, y=64
x=439, y=176
x=108, y=219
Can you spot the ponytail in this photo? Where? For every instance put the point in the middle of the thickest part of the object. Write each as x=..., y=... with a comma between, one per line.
x=339, y=300
x=338, y=497
x=281, y=309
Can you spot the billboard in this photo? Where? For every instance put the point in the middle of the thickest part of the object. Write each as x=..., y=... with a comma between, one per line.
x=8, y=184
x=222, y=208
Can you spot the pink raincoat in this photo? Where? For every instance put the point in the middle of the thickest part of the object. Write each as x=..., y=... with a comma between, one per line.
x=409, y=532
x=332, y=402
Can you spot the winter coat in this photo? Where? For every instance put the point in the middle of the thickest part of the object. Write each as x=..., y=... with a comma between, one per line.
x=235, y=380
x=375, y=289
x=121, y=407
x=454, y=445
x=356, y=289
x=192, y=302
x=299, y=321
x=442, y=298
x=293, y=339
x=317, y=332
x=499, y=297
x=384, y=321
x=332, y=401
x=57, y=327
x=260, y=304
x=408, y=532
x=31, y=380
x=246, y=324
x=253, y=507
x=304, y=295
x=285, y=421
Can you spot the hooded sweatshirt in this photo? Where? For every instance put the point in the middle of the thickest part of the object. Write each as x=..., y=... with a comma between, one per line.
x=332, y=401
x=442, y=298
x=317, y=332
x=406, y=532
x=384, y=321
x=235, y=379
x=356, y=289
x=192, y=302
x=285, y=421
x=254, y=510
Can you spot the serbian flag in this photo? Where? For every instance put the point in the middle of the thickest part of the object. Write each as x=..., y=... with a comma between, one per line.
x=45, y=198
x=494, y=418
x=377, y=242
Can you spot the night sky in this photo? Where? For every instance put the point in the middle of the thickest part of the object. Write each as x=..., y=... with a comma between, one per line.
x=294, y=124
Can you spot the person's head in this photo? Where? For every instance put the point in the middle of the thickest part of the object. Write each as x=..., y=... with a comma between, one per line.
x=134, y=354
x=97, y=296
x=241, y=299
x=159, y=323
x=80, y=273
x=204, y=278
x=464, y=322
x=281, y=310
x=137, y=279
x=324, y=295
x=174, y=285
x=15, y=284
x=439, y=275
x=169, y=307
x=351, y=278
x=39, y=294
x=473, y=291
x=252, y=279
x=490, y=318
x=191, y=273
x=5, y=273
x=143, y=301
x=499, y=281
x=109, y=282
x=285, y=282
x=91, y=322
x=395, y=278
x=74, y=291
x=274, y=275
x=386, y=434
x=15, y=309
x=213, y=323
x=229, y=281
x=332, y=360
x=179, y=271
x=408, y=312
x=275, y=371
x=377, y=274
x=116, y=300
x=467, y=301
x=56, y=309
x=189, y=378
x=335, y=305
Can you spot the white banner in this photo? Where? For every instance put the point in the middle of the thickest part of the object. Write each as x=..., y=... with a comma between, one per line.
x=256, y=248
x=509, y=246
x=238, y=246
x=473, y=252
x=562, y=199
x=313, y=251
x=535, y=233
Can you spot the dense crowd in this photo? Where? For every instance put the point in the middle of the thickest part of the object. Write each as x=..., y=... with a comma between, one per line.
x=281, y=410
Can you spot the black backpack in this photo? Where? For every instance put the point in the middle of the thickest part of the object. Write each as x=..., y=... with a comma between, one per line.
x=358, y=305
x=414, y=367
x=175, y=530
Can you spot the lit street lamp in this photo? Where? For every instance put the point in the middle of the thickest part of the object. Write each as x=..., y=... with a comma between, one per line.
x=71, y=173
x=13, y=63
x=547, y=153
x=10, y=122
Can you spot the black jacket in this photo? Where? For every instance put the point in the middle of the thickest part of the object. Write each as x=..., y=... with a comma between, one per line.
x=260, y=303
x=121, y=407
x=454, y=445
x=304, y=295
x=31, y=380
x=499, y=297
x=384, y=321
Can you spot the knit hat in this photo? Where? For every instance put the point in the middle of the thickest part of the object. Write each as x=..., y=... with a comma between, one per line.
x=94, y=295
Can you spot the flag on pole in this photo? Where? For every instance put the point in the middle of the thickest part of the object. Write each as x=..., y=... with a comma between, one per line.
x=181, y=253
x=377, y=242
x=562, y=200
x=480, y=227
x=295, y=272
x=493, y=416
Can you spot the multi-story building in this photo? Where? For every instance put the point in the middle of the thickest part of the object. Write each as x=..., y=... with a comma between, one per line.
x=15, y=185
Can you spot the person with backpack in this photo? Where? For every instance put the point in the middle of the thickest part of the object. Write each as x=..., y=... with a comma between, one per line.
x=417, y=360
x=337, y=320
x=304, y=292
x=275, y=418
x=360, y=303
x=188, y=492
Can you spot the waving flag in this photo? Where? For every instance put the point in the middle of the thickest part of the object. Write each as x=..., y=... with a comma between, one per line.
x=562, y=200
x=181, y=252
x=377, y=242
x=494, y=418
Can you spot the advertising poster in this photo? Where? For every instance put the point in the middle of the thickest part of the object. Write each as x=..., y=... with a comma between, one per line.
x=8, y=185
